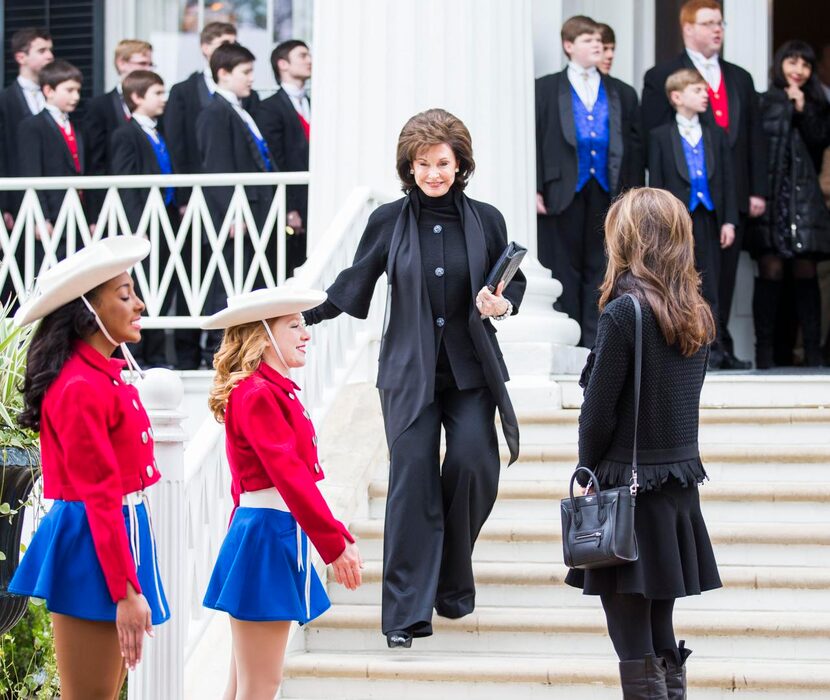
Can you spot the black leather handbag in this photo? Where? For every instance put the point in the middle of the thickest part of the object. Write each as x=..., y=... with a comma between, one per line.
x=598, y=529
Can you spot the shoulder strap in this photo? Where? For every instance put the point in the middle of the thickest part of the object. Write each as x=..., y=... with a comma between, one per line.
x=638, y=371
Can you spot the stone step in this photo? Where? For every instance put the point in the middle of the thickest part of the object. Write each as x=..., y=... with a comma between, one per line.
x=512, y=630
x=542, y=585
x=724, y=502
x=749, y=543
x=415, y=675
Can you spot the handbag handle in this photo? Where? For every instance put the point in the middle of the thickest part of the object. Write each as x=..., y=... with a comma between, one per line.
x=597, y=489
x=638, y=371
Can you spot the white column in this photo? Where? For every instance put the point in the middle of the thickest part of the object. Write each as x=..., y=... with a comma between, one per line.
x=748, y=36
x=161, y=672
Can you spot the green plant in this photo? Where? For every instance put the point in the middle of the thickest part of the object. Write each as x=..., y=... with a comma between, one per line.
x=28, y=670
x=14, y=343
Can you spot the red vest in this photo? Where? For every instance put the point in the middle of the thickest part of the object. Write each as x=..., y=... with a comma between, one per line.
x=720, y=104
x=306, y=126
x=72, y=145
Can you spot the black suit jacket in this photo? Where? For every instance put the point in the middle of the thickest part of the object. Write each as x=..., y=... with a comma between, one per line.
x=281, y=128
x=226, y=145
x=48, y=156
x=104, y=114
x=556, y=158
x=13, y=110
x=746, y=137
x=132, y=154
x=668, y=169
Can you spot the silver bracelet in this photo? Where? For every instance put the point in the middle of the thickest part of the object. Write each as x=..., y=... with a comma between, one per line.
x=506, y=313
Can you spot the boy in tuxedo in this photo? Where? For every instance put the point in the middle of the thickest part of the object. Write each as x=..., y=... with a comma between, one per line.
x=53, y=144
x=189, y=98
x=588, y=149
x=230, y=142
x=285, y=122
x=693, y=161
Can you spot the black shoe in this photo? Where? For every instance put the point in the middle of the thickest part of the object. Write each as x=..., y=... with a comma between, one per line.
x=676, y=671
x=399, y=639
x=729, y=361
x=644, y=679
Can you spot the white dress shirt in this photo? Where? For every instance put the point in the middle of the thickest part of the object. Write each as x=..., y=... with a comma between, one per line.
x=690, y=129
x=148, y=124
x=61, y=118
x=32, y=93
x=209, y=81
x=119, y=88
x=586, y=82
x=299, y=98
x=237, y=105
x=709, y=68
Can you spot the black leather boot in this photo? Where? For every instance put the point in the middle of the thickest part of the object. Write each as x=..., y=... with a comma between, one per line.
x=676, y=671
x=644, y=679
x=808, y=310
x=764, y=310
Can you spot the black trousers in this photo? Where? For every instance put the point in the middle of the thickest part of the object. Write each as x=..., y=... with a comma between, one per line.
x=708, y=259
x=434, y=512
x=572, y=246
x=639, y=626
x=730, y=257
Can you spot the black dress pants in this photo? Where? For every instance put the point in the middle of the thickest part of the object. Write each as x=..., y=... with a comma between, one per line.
x=572, y=246
x=708, y=259
x=434, y=512
x=729, y=259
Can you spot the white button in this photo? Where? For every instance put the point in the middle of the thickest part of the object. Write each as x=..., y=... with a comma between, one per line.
x=144, y=437
x=700, y=172
x=437, y=228
x=592, y=171
x=316, y=467
x=149, y=470
x=115, y=382
x=135, y=404
x=694, y=150
x=700, y=194
x=593, y=153
x=590, y=117
x=290, y=396
x=593, y=133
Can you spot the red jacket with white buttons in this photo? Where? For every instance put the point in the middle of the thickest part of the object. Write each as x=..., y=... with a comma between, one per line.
x=96, y=446
x=270, y=442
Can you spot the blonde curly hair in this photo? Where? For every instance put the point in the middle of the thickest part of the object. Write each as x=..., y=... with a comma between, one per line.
x=238, y=357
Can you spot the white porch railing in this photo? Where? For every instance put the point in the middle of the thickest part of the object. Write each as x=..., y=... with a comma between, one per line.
x=186, y=264
x=193, y=534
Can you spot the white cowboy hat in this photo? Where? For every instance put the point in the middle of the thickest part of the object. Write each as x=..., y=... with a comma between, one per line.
x=80, y=273
x=262, y=304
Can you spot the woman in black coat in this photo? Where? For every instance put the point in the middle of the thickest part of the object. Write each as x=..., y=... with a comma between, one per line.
x=796, y=224
x=440, y=365
x=648, y=235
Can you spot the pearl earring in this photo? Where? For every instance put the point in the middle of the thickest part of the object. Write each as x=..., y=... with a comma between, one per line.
x=411, y=172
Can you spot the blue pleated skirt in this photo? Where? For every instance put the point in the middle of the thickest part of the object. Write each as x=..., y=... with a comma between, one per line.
x=256, y=576
x=61, y=566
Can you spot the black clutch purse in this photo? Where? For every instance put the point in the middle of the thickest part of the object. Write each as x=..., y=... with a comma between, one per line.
x=506, y=266
x=598, y=529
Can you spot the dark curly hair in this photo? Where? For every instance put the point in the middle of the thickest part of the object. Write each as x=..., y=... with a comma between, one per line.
x=431, y=128
x=51, y=347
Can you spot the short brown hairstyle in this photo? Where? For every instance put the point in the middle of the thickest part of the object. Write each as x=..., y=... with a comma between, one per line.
x=137, y=83
x=607, y=34
x=681, y=79
x=689, y=10
x=22, y=39
x=213, y=30
x=431, y=128
x=57, y=72
x=127, y=48
x=576, y=26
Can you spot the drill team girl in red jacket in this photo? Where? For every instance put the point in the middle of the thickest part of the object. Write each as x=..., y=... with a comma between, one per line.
x=263, y=575
x=93, y=557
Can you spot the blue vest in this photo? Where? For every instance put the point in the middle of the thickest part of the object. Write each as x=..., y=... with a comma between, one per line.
x=163, y=158
x=591, y=139
x=263, y=150
x=696, y=163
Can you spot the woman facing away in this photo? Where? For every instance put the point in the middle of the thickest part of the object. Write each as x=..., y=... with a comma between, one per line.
x=650, y=247
x=263, y=577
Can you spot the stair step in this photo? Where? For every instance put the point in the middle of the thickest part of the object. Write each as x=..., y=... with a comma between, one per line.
x=414, y=674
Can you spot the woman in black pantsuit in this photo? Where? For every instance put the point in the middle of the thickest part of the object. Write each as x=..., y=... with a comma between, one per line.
x=440, y=365
x=648, y=235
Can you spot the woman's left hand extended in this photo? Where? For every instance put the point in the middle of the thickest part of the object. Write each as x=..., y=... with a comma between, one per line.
x=489, y=304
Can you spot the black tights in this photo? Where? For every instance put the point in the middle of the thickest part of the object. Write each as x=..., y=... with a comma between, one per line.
x=639, y=626
x=771, y=267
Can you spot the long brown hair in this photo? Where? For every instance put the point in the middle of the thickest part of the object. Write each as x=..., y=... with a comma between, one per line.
x=648, y=237
x=238, y=357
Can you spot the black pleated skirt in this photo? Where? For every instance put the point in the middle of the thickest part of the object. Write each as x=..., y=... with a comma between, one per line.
x=675, y=552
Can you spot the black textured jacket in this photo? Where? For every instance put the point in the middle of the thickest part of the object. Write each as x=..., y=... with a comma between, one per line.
x=796, y=221
x=667, y=437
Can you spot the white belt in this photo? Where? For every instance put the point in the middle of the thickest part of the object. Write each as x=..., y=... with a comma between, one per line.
x=271, y=498
x=132, y=501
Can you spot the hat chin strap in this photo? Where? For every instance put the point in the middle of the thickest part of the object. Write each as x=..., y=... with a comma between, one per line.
x=132, y=365
x=274, y=345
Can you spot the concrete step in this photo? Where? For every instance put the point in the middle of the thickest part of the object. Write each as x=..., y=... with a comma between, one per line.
x=749, y=543
x=542, y=586
x=724, y=501
x=513, y=630
x=415, y=675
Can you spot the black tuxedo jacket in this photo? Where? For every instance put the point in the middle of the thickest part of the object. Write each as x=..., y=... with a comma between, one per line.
x=48, y=156
x=556, y=158
x=281, y=128
x=132, y=154
x=668, y=169
x=227, y=145
x=746, y=137
x=104, y=114
x=13, y=110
